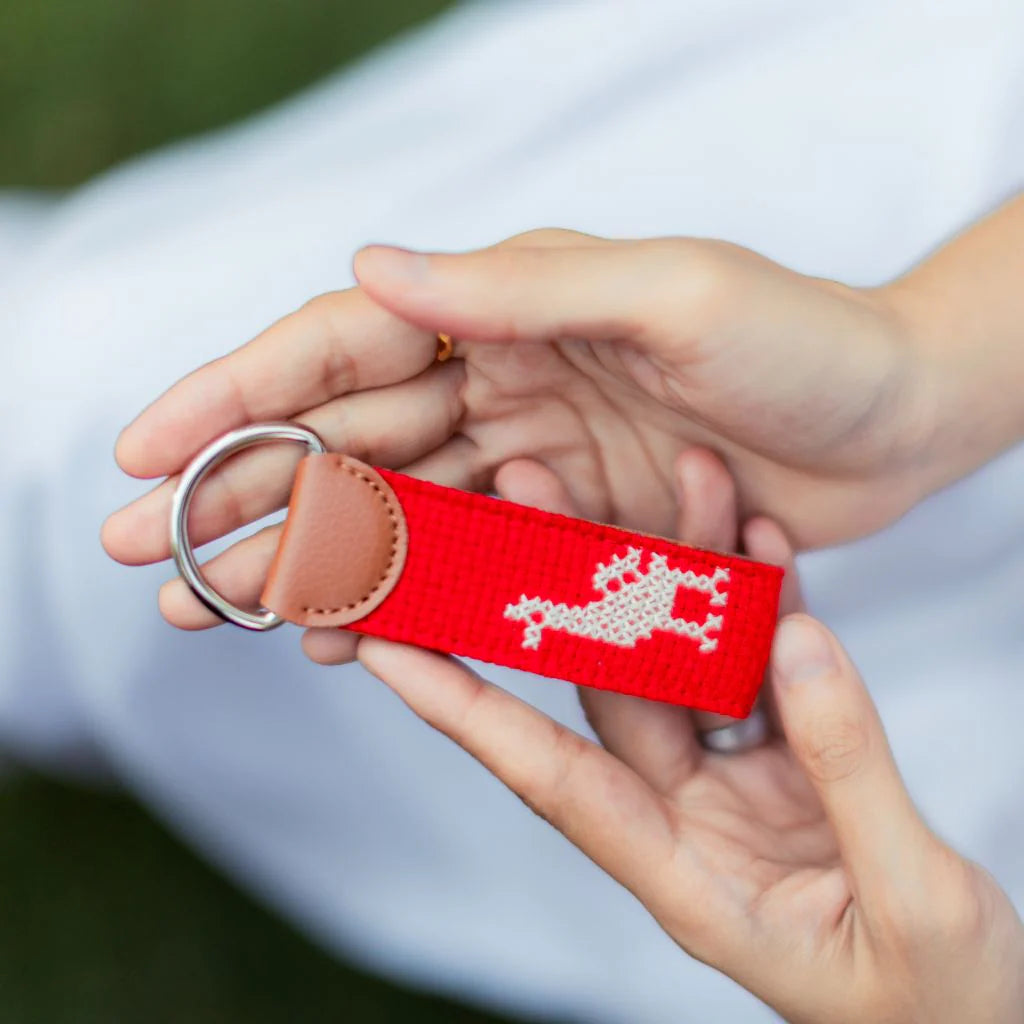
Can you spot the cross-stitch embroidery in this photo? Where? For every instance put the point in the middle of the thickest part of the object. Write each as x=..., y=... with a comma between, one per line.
x=634, y=603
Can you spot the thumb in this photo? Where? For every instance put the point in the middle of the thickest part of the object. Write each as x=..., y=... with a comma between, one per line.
x=835, y=734
x=562, y=285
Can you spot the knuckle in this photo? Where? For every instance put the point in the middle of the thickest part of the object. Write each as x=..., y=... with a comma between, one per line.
x=960, y=909
x=570, y=751
x=692, y=275
x=705, y=277
x=953, y=917
x=320, y=307
x=836, y=748
x=326, y=313
x=465, y=720
x=453, y=398
x=553, y=795
x=962, y=921
x=339, y=372
x=547, y=238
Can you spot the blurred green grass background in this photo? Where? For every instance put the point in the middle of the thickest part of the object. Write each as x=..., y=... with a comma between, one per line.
x=105, y=918
x=86, y=83
x=108, y=920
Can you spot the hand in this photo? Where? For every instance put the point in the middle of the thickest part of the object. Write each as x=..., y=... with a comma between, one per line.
x=801, y=868
x=602, y=360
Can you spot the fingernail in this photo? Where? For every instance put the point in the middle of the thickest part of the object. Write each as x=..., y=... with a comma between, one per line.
x=397, y=264
x=802, y=651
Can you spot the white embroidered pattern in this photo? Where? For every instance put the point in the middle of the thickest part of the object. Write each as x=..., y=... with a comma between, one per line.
x=634, y=603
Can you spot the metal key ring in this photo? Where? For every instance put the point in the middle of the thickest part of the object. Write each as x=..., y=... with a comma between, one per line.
x=181, y=546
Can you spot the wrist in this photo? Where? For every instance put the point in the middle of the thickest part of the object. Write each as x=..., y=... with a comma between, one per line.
x=905, y=453
x=962, y=394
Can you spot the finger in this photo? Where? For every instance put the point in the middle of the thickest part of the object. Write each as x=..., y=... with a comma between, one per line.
x=707, y=501
x=528, y=482
x=597, y=802
x=531, y=293
x=707, y=519
x=542, y=238
x=330, y=646
x=657, y=740
x=388, y=426
x=835, y=734
x=765, y=541
x=237, y=574
x=337, y=343
x=457, y=463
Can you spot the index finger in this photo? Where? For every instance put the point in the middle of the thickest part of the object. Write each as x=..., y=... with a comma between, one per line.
x=337, y=343
x=597, y=802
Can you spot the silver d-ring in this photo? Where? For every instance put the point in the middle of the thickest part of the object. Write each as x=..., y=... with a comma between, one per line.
x=181, y=546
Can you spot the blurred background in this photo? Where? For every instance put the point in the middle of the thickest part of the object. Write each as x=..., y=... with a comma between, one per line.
x=87, y=83
x=104, y=918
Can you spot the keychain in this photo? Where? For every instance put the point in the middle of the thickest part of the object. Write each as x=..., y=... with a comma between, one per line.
x=387, y=555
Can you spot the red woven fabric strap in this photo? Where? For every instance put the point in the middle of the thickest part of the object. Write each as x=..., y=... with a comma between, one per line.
x=579, y=601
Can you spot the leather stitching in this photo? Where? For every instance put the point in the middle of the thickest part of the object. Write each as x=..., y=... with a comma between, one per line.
x=340, y=463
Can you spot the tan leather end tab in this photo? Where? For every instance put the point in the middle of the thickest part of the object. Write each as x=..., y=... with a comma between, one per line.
x=343, y=546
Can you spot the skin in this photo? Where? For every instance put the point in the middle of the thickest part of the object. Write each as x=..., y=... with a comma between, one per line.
x=756, y=863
